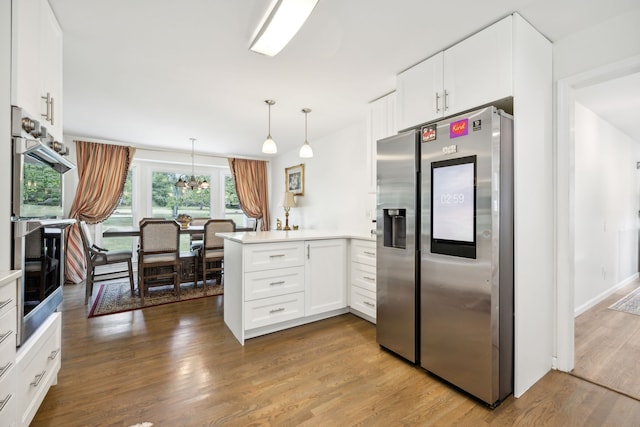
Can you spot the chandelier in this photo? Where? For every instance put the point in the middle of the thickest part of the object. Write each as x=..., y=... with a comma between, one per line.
x=192, y=183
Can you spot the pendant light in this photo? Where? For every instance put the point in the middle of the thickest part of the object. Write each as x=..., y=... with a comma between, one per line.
x=269, y=145
x=193, y=183
x=306, y=151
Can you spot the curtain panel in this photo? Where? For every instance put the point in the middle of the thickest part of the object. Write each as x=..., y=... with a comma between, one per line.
x=250, y=178
x=102, y=172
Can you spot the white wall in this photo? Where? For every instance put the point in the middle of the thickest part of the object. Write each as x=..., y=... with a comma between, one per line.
x=607, y=200
x=336, y=184
x=5, y=134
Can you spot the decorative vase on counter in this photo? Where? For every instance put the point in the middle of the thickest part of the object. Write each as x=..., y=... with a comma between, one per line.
x=184, y=220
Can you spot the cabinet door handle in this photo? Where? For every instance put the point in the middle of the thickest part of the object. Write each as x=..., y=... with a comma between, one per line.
x=308, y=251
x=437, y=102
x=37, y=379
x=281, y=282
x=4, y=303
x=369, y=253
x=370, y=304
x=5, y=368
x=6, y=335
x=54, y=354
x=276, y=310
x=446, y=104
x=47, y=101
x=276, y=256
x=371, y=279
x=51, y=119
x=4, y=401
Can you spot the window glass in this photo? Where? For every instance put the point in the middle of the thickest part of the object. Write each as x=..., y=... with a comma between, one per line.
x=232, y=208
x=169, y=201
x=121, y=217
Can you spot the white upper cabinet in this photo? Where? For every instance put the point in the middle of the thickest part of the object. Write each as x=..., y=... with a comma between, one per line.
x=36, y=56
x=476, y=71
x=381, y=124
x=419, y=93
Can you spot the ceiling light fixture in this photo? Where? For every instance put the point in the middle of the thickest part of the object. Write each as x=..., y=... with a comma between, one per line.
x=193, y=183
x=281, y=22
x=269, y=145
x=306, y=151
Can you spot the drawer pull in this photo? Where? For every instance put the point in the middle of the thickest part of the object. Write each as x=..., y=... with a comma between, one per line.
x=281, y=282
x=371, y=279
x=276, y=256
x=4, y=401
x=4, y=303
x=54, y=354
x=276, y=310
x=5, y=368
x=5, y=336
x=369, y=253
x=370, y=304
x=37, y=379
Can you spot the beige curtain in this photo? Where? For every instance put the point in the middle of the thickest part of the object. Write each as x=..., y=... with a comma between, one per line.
x=102, y=172
x=250, y=177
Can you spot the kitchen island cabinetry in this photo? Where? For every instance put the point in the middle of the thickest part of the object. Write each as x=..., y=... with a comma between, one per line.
x=277, y=280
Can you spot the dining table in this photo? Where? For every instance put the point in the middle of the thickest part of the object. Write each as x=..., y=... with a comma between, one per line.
x=135, y=231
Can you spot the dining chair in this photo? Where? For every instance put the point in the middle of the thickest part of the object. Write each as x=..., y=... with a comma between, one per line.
x=96, y=256
x=195, y=239
x=212, y=252
x=159, y=256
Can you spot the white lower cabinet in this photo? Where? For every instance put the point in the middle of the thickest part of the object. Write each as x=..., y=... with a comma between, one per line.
x=363, y=279
x=267, y=311
x=9, y=283
x=38, y=363
x=325, y=276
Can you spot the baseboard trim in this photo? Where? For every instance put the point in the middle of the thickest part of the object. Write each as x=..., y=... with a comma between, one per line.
x=602, y=296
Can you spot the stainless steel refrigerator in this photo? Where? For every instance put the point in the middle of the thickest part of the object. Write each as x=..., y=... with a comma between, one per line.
x=397, y=222
x=462, y=264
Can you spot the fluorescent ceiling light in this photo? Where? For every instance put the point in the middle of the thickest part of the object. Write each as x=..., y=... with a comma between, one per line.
x=282, y=21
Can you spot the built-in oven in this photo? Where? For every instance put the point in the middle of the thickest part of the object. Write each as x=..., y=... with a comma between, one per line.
x=38, y=225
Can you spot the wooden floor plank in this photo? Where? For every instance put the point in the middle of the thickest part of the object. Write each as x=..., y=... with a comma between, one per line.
x=178, y=365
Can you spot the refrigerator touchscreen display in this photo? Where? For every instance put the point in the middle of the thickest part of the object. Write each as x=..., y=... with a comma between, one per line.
x=453, y=207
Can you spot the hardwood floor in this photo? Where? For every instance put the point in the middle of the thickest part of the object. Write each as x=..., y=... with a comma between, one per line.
x=178, y=365
x=607, y=346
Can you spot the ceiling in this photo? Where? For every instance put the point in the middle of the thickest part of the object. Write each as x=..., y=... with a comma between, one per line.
x=154, y=73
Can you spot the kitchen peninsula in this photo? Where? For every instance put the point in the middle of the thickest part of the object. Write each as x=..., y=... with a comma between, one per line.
x=276, y=280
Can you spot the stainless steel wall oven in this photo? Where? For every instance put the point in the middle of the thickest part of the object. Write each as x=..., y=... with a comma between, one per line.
x=38, y=225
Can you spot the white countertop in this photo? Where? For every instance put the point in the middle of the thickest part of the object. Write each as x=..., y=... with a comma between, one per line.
x=250, y=237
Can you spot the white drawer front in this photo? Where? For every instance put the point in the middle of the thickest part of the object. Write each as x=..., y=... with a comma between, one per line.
x=268, y=311
x=8, y=398
x=7, y=298
x=271, y=283
x=38, y=364
x=363, y=275
x=268, y=256
x=363, y=251
x=364, y=301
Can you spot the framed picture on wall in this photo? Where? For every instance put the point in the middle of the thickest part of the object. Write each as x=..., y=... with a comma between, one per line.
x=294, y=179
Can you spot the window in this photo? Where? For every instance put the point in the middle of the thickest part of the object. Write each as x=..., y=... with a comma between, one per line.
x=121, y=217
x=232, y=208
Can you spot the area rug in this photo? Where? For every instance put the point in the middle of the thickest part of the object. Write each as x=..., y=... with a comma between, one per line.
x=629, y=304
x=116, y=297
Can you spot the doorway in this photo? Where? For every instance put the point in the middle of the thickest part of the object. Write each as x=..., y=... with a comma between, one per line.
x=568, y=209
